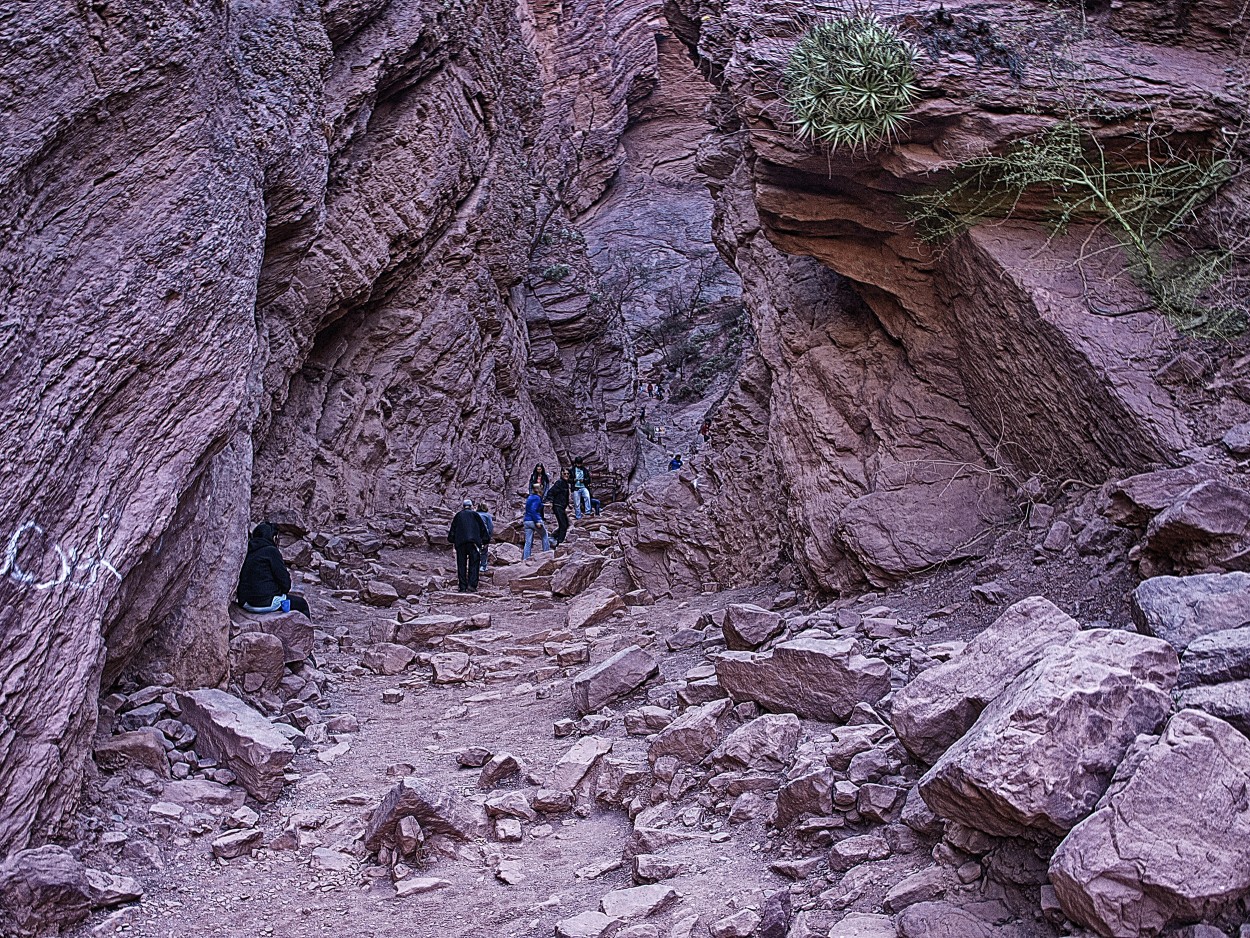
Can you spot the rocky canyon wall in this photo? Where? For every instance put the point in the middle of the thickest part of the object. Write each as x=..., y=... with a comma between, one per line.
x=914, y=399
x=271, y=257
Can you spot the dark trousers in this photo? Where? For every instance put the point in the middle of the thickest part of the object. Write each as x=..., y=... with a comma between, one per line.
x=468, y=559
x=299, y=604
x=562, y=523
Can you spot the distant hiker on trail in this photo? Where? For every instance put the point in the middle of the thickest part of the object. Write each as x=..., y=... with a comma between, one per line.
x=579, y=476
x=674, y=463
x=539, y=477
x=468, y=533
x=264, y=582
x=489, y=521
x=534, y=521
x=559, y=495
x=706, y=430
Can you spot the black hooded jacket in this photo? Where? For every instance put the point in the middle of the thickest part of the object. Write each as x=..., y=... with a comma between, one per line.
x=558, y=494
x=468, y=527
x=264, y=574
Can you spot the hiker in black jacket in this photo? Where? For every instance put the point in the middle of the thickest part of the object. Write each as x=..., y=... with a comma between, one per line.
x=558, y=495
x=264, y=582
x=468, y=533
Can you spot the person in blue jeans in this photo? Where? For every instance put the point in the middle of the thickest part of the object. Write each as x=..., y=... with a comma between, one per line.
x=489, y=521
x=534, y=521
x=579, y=479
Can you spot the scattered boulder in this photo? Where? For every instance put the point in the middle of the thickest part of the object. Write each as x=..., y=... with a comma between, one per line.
x=437, y=810
x=864, y=925
x=940, y=704
x=637, y=901
x=1237, y=440
x=748, y=626
x=577, y=573
x=139, y=747
x=420, y=630
x=451, y=667
x=593, y=607
x=1043, y=752
x=257, y=661
x=588, y=925
x=940, y=920
x=43, y=889
x=1180, y=609
x=1229, y=701
x=691, y=736
x=575, y=764
x=816, y=678
x=1135, y=500
x=612, y=679
x=1216, y=657
x=239, y=738
x=1206, y=529
x=387, y=658
x=292, y=628
x=767, y=742
x=236, y=843
x=379, y=593
x=1171, y=839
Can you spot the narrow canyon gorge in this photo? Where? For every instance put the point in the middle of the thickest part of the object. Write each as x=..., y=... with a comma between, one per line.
x=918, y=603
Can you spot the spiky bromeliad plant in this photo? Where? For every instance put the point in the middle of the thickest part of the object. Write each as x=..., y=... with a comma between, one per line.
x=850, y=82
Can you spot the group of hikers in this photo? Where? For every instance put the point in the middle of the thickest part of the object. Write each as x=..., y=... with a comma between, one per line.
x=472, y=529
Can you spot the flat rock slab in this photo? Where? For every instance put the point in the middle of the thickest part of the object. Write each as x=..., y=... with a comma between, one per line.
x=1180, y=609
x=940, y=705
x=637, y=902
x=941, y=920
x=1042, y=754
x=864, y=925
x=577, y=573
x=593, y=607
x=1135, y=500
x=815, y=678
x=387, y=658
x=239, y=738
x=1170, y=841
x=612, y=679
x=438, y=810
x=420, y=630
x=575, y=764
x=588, y=925
x=139, y=747
x=748, y=626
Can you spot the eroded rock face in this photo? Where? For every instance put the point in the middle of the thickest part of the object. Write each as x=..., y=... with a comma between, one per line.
x=1182, y=609
x=1043, y=753
x=1169, y=841
x=982, y=363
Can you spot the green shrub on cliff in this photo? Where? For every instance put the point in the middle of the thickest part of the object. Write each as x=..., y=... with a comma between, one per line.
x=850, y=82
x=1149, y=196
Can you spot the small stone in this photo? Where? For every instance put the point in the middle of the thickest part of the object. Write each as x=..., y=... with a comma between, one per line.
x=473, y=758
x=501, y=766
x=236, y=843
x=419, y=885
x=637, y=901
x=587, y=925
x=740, y=925
x=562, y=728
x=323, y=858
x=167, y=810
x=392, y=695
x=508, y=829
x=242, y=819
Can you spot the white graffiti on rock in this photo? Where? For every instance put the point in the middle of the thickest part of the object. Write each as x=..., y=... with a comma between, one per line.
x=55, y=566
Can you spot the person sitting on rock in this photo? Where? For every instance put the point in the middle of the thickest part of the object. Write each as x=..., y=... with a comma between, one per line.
x=559, y=495
x=674, y=463
x=489, y=521
x=534, y=521
x=539, y=477
x=468, y=534
x=579, y=479
x=264, y=581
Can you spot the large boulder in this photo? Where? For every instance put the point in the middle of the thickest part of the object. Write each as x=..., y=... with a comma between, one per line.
x=767, y=742
x=292, y=628
x=420, y=630
x=257, y=661
x=1170, y=841
x=748, y=626
x=1229, y=701
x=593, y=606
x=576, y=574
x=240, y=738
x=819, y=679
x=1043, y=752
x=939, y=705
x=1215, y=658
x=438, y=810
x=42, y=890
x=1206, y=530
x=1179, y=609
x=691, y=737
x=612, y=678
x=1137, y=499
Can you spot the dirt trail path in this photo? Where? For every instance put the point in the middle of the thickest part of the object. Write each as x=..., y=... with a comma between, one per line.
x=291, y=892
